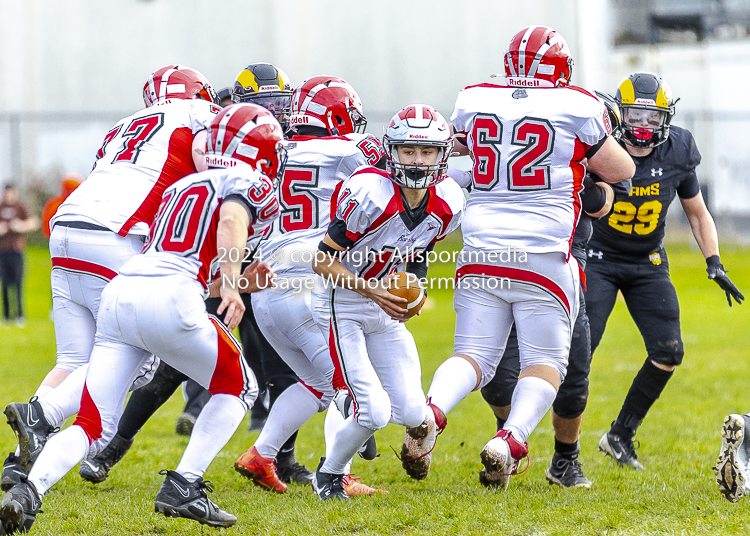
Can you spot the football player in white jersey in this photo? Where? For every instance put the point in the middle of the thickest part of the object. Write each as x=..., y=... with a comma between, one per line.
x=103, y=224
x=156, y=305
x=382, y=219
x=327, y=147
x=529, y=141
x=265, y=85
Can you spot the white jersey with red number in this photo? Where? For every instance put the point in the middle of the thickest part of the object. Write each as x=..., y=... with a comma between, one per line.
x=371, y=206
x=141, y=156
x=527, y=146
x=316, y=168
x=182, y=239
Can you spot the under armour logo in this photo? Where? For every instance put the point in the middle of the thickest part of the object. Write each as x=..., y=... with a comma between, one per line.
x=655, y=172
x=597, y=254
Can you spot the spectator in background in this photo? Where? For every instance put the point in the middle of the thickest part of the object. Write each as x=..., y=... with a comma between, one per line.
x=69, y=182
x=15, y=222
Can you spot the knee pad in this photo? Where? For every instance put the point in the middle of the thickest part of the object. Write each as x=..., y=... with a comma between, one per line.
x=571, y=405
x=374, y=410
x=499, y=391
x=668, y=353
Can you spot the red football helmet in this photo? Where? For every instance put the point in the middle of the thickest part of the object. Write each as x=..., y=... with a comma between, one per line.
x=538, y=56
x=330, y=103
x=177, y=82
x=247, y=134
x=417, y=124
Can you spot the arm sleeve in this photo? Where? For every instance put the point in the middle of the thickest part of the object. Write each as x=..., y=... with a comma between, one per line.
x=418, y=266
x=337, y=233
x=593, y=198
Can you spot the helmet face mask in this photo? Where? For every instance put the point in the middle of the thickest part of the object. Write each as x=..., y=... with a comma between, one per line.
x=417, y=126
x=330, y=103
x=647, y=107
x=267, y=86
x=614, y=116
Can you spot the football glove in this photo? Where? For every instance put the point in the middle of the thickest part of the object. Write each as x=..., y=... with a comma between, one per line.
x=717, y=273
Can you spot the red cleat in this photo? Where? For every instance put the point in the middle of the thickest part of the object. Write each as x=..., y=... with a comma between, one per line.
x=260, y=470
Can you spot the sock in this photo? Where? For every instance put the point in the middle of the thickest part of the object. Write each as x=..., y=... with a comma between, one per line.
x=531, y=400
x=292, y=409
x=214, y=427
x=62, y=452
x=452, y=382
x=286, y=455
x=64, y=401
x=500, y=423
x=333, y=421
x=349, y=438
x=567, y=450
x=42, y=390
x=645, y=390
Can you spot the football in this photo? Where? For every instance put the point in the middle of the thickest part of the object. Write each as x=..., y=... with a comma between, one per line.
x=406, y=285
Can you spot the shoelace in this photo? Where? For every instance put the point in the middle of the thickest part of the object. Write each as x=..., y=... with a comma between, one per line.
x=412, y=460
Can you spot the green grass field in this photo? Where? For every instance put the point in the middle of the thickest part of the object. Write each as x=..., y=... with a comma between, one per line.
x=679, y=441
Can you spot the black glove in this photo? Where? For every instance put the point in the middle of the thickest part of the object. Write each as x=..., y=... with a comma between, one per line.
x=717, y=273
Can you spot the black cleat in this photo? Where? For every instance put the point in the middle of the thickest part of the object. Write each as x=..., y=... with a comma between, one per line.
x=294, y=472
x=180, y=498
x=12, y=472
x=621, y=449
x=567, y=472
x=31, y=429
x=97, y=469
x=19, y=507
x=329, y=486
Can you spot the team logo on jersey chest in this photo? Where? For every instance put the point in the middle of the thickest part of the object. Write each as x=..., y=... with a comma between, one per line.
x=655, y=172
x=520, y=94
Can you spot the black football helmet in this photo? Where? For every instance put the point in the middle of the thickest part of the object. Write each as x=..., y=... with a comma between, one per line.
x=647, y=108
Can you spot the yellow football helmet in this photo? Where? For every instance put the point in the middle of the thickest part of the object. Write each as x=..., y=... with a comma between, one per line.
x=647, y=107
x=265, y=85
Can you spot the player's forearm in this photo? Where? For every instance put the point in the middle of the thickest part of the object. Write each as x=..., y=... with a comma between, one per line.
x=704, y=231
x=230, y=242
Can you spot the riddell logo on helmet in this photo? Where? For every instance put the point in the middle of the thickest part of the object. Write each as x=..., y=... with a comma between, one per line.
x=219, y=161
x=418, y=136
x=299, y=119
x=523, y=82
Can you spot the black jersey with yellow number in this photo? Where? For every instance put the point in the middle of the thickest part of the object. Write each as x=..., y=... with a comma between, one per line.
x=636, y=225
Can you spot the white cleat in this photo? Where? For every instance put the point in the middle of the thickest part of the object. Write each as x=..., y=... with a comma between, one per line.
x=419, y=442
x=501, y=457
x=731, y=465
